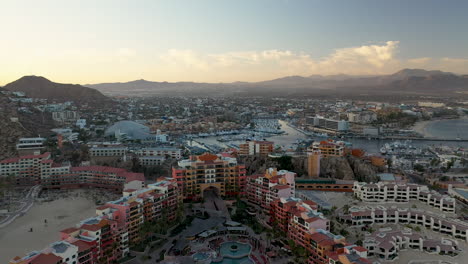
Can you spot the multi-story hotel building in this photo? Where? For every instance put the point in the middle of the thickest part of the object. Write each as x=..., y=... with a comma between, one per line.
x=308, y=228
x=382, y=215
x=26, y=169
x=101, y=177
x=387, y=192
x=40, y=169
x=386, y=243
x=251, y=148
x=326, y=148
x=327, y=248
x=262, y=190
x=330, y=124
x=30, y=146
x=297, y=217
x=174, y=153
x=106, y=237
x=220, y=173
x=108, y=151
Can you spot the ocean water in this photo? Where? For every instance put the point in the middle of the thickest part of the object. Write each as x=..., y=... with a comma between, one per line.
x=448, y=129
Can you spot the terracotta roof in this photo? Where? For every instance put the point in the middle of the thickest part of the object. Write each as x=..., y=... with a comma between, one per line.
x=359, y=249
x=281, y=187
x=82, y=246
x=103, y=207
x=16, y=159
x=327, y=242
x=91, y=227
x=207, y=157
x=70, y=230
x=46, y=259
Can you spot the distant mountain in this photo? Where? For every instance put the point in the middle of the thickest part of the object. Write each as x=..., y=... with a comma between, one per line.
x=406, y=81
x=407, y=73
x=40, y=87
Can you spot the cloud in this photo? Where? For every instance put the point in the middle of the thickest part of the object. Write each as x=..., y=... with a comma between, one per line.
x=89, y=64
x=259, y=65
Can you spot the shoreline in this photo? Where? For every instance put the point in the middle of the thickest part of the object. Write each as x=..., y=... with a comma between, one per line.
x=16, y=238
x=421, y=127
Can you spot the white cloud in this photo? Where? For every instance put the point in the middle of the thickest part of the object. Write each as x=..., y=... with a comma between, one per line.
x=259, y=65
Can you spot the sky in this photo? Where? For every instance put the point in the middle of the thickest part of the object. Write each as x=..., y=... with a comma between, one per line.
x=91, y=41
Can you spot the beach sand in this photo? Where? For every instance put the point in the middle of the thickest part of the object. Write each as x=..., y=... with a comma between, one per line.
x=421, y=128
x=16, y=240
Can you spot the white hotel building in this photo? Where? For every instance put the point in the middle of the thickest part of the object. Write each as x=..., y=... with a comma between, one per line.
x=386, y=243
x=366, y=215
x=396, y=193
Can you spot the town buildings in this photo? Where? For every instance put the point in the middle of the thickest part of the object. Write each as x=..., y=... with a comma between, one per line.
x=382, y=215
x=106, y=238
x=389, y=192
x=101, y=177
x=302, y=223
x=174, y=153
x=362, y=117
x=30, y=146
x=326, y=247
x=325, y=148
x=330, y=125
x=251, y=148
x=386, y=243
x=26, y=169
x=40, y=169
x=220, y=173
x=328, y=148
x=263, y=189
x=108, y=151
x=66, y=116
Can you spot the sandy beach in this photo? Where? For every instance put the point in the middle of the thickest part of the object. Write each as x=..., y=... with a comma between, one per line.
x=16, y=240
x=442, y=128
x=421, y=128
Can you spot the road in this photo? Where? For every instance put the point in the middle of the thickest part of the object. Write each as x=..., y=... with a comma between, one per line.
x=26, y=203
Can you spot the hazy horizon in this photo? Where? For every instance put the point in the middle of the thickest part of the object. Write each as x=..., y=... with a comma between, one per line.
x=222, y=41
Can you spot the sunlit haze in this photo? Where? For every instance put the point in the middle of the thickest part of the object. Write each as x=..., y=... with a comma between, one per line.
x=225, y=41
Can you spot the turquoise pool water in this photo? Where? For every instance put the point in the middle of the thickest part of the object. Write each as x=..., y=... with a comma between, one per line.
x=234, y=249
x=200, y=256
x=234, y=253
x=227, y=260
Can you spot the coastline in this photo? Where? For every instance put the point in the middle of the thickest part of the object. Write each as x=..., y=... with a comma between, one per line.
x=60, y=214
x=421, y=127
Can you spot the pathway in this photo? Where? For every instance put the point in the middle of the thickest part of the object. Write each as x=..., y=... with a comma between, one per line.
x=26, y=203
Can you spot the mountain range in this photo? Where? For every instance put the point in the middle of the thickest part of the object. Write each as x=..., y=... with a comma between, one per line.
x=40, y=87
x=406, y=81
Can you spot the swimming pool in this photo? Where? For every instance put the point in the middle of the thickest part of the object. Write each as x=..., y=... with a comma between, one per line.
x=228, y=260
x=200, y=256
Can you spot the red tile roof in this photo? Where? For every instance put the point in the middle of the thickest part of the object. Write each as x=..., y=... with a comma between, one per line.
x=91, y=227
x=359, y=249
x=82, y=246
x=16, y=159
x=46, y=259
x=69, y=230
x=207, y=157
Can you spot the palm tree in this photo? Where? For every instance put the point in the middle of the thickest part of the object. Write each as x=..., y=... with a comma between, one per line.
x=269, y=235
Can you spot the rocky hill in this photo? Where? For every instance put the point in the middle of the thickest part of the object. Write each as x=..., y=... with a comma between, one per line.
x=40, y=87
x=342, y=168
x=15, y=125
